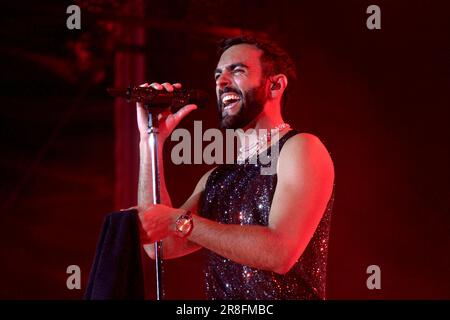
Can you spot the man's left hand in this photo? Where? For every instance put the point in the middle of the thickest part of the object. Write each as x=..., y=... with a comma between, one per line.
x=157, y=222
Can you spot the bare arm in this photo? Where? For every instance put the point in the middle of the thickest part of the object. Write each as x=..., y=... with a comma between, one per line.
x=145, y=186
x=171, y=245
x=167, y=123
x=305, y=181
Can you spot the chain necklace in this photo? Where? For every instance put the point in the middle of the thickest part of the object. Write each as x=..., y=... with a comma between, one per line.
x=254, y=143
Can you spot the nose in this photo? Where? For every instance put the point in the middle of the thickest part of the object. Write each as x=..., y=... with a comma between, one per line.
x=223, y=80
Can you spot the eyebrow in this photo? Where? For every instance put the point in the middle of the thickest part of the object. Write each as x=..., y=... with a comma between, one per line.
x=231, y=67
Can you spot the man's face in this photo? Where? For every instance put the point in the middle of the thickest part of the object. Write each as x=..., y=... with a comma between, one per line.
x=240, y=86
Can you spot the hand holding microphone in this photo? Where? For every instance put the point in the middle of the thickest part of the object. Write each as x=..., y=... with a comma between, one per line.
x=155, y=97
x=169, y=101
x=167, y=120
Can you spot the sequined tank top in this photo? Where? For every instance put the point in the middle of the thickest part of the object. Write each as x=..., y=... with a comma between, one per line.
x=240, y=194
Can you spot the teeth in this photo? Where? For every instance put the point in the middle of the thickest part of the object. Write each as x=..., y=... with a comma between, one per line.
x=230, y=97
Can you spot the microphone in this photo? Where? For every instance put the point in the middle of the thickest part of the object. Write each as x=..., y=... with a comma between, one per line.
x=160, y=99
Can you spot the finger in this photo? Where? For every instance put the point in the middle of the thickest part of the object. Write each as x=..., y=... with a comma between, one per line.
x=164, y=114
x=130, y=208
x=156, y=85
x=180, y=114
x=177, y=85
x=144, y=85
x=185, y=110
x=144, y=237
x=167, y=86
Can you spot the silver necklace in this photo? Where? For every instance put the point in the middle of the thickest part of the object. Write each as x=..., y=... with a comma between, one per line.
x=257, y=142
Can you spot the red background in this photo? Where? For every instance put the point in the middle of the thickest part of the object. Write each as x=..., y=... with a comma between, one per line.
x=378, y=99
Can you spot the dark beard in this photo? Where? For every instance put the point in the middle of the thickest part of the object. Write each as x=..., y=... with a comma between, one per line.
x=252, y=104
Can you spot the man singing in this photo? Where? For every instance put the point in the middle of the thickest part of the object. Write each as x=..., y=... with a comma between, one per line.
x=266, y=235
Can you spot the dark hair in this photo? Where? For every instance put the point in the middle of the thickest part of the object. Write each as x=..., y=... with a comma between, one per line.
x=274, y=59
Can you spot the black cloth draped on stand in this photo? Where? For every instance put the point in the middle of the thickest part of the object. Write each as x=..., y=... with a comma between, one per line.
x=117, y=270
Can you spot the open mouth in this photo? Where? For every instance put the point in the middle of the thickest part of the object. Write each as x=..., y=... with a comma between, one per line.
x=230, y=100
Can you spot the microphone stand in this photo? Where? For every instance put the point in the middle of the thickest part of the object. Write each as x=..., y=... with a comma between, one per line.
x=158, y=100
x=152, y=130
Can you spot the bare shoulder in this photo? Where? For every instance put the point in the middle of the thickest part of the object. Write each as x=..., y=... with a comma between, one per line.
x=303, y=144
x=302, y=140
x=304, y=150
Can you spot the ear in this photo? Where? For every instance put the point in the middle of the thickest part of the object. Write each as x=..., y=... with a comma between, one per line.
x=278, y=82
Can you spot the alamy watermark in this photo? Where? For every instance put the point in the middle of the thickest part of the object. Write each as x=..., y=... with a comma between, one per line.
x=374, y=280
x=74, y=279
x=190, y=147
x=74, y=20
x=374, y=20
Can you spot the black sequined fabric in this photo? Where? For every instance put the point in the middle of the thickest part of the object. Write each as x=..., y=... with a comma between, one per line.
x=240, y=194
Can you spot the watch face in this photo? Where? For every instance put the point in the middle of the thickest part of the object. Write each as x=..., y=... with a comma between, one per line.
x=184, y=226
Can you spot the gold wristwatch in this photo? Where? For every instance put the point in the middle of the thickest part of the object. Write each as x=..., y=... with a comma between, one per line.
x=184, y=224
